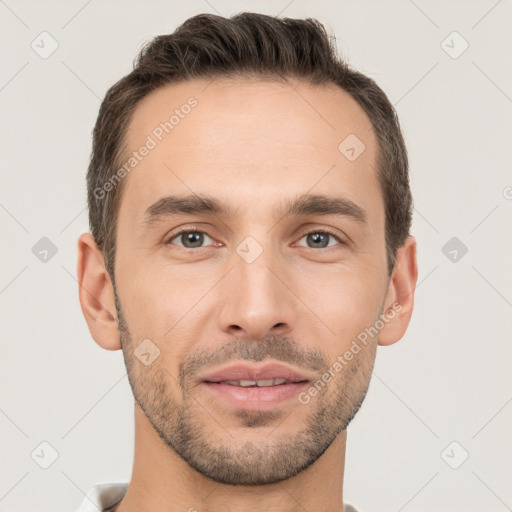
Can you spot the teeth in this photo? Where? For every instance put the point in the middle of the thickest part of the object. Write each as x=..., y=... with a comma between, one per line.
x=259, y=383
x=265, y=382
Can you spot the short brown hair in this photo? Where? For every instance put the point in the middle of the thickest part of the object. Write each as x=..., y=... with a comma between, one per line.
x=245, y=45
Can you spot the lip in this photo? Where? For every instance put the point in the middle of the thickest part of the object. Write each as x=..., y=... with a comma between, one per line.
x=256, y=398
x=257, y=372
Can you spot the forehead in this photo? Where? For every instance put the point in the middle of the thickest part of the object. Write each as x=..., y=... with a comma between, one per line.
x=251, y=144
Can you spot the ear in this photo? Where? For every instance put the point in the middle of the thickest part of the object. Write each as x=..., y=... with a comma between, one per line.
x=399, y=301
x=96, y=294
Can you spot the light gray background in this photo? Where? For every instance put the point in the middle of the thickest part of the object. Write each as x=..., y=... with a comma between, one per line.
x=447, y=380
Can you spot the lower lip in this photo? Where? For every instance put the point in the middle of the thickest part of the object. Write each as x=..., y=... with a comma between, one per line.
x=255, y=398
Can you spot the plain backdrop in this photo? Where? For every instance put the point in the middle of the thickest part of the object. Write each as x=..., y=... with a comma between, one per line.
x=434, y=431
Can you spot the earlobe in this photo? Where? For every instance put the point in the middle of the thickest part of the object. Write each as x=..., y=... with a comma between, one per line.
x=399, y=301
x=96, y=294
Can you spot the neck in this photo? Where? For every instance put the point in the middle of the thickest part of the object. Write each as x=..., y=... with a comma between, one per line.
x=163, y=482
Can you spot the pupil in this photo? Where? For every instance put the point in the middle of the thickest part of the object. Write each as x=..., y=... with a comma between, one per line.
x=322, y=237
x=194, y=238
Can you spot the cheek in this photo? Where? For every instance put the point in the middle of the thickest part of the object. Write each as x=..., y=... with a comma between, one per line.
x=347, y=303
x=161, y=301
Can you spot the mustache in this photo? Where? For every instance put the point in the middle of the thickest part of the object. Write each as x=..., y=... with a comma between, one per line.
x=273, y=346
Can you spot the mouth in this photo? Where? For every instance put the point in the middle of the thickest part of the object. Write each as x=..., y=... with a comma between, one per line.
x=255, y=387
x=256, y=383
x=254, y=397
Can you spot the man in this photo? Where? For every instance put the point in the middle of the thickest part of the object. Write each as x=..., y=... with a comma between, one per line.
x=250, y=211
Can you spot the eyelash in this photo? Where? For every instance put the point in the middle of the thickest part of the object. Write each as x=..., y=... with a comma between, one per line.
x=315, y=231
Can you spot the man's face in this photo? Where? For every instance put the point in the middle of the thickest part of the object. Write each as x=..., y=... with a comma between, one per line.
x=250, y=287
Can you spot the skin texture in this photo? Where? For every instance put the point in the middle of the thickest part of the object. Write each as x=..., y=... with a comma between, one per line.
x=252, y=145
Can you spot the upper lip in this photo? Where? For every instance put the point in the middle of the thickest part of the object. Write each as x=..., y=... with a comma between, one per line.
x=264, y=371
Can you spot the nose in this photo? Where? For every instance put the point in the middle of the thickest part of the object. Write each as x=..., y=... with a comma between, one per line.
x=257, y=299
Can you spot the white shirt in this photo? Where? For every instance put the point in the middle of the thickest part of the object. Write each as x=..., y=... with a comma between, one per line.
x=105, y=495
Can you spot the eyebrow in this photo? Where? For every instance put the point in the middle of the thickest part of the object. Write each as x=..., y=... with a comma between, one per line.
x=307, y=204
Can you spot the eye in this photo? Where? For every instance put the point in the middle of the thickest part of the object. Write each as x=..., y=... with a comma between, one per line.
x=194, y=239
x=320, y=239
x=190, y=238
